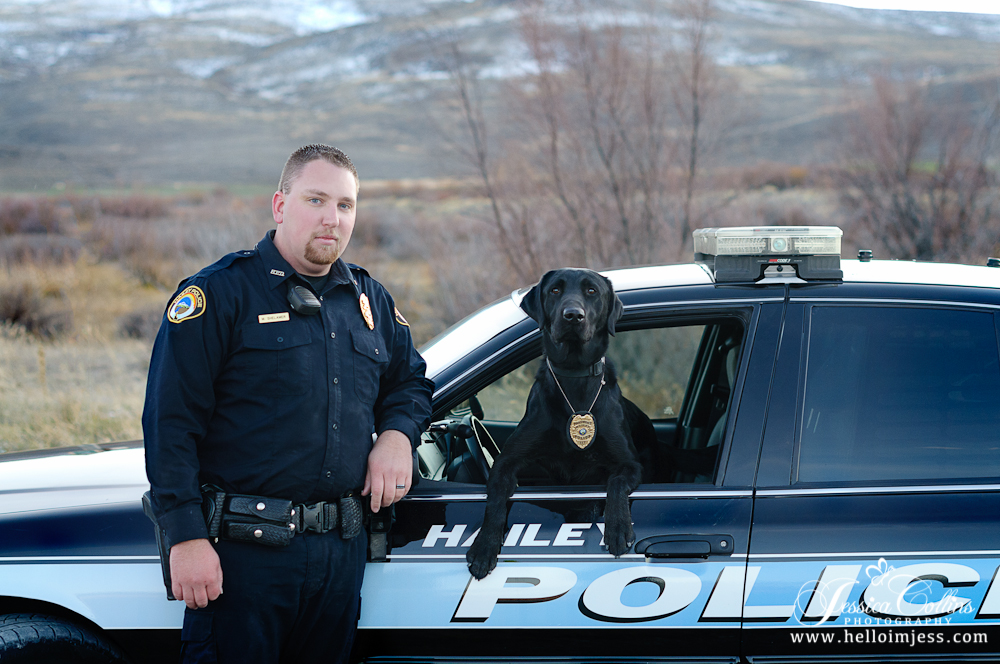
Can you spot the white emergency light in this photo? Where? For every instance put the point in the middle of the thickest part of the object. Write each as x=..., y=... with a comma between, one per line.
x=749, y=254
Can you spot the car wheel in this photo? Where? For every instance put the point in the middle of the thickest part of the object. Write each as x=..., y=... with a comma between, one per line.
x=41, y=639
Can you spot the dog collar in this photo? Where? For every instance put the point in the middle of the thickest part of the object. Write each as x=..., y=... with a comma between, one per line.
x=596, y=369
x=581, y=428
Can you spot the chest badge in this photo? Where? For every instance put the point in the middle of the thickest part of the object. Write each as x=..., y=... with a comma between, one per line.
x=366, y=311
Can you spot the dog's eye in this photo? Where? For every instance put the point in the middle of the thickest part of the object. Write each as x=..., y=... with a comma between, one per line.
x=591, y=291
x=556, y=290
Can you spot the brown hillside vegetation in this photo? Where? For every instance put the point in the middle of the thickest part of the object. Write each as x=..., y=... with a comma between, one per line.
x=84, y=279
x=619, y=133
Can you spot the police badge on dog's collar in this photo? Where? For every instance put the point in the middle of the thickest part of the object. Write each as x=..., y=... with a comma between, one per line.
x=582, y=429
x=366, y=311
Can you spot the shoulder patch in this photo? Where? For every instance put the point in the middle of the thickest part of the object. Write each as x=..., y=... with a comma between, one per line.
x=399, y=318
x=189, y=303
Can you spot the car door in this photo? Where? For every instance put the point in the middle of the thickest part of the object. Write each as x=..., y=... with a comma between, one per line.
x=875, y=530
x=556, y=592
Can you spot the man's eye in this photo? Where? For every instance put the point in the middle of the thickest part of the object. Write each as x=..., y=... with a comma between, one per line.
x=315, y=201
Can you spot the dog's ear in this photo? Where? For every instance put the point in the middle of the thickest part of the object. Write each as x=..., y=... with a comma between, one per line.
x=532, y=300
x=616, y=308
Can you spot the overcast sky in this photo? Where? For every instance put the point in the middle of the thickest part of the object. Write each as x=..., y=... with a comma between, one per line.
x=976, y=6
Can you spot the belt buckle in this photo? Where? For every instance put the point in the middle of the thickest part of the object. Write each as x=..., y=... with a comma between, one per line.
x=312, y=517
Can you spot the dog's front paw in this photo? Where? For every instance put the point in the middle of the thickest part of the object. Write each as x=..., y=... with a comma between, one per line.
x=482, y=559
x=618, y=537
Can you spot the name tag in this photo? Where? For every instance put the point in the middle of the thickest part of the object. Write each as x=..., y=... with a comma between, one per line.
x=273, y=318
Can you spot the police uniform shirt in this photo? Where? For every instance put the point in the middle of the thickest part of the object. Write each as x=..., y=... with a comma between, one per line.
x=247, y=394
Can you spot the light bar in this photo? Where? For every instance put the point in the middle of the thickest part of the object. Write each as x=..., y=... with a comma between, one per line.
x=769, y=240
x=742, y=254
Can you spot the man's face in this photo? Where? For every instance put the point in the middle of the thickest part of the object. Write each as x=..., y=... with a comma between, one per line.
x=316, y=217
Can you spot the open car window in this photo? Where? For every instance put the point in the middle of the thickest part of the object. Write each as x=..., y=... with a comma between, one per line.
x=679, y=376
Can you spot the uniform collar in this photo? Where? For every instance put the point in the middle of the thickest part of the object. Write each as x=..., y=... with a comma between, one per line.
x=277, y=269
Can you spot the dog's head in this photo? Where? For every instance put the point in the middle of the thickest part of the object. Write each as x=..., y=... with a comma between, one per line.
x=573, y=307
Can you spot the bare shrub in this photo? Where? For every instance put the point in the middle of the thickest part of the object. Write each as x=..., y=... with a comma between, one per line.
x=142, y=323
x=22, y=305
x=604, y=161
x=136, y=206
x=771, y=174
x=468, y=272
x=391, y=227
x=40, y=249
x=85, y=208
x=28, y=215
x=916, y=175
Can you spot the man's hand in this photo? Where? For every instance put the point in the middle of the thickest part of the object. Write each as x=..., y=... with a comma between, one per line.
x=390, y=469
x=195, y=573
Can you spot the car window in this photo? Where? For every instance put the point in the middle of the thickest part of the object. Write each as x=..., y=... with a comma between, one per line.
x=653, y=368
x=504, y=399
x=900, y=394
x=679, y=376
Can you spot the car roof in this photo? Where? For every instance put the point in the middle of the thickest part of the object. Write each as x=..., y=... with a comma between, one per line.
x=478, y=328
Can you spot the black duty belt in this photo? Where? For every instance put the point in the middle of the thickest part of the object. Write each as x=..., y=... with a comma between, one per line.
x=274, y=521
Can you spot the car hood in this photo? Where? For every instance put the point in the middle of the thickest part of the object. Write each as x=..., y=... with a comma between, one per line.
x=66, y=480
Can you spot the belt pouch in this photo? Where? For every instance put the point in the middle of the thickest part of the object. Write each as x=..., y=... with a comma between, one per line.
x=351, y=517
x=255, y=519
x=258, y=519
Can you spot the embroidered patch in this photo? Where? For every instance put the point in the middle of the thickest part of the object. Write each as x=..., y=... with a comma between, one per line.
x=400, y=319
x=277, y=273
x=189, y=303
x=273, y=318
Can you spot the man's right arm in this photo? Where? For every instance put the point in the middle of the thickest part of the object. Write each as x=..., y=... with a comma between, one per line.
x=187, y=356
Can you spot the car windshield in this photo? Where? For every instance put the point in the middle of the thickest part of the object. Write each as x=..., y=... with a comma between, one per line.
x=471, y=332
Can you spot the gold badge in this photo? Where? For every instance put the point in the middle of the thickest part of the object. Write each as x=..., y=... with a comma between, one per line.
x=582, y=429
x=366, y=311
x=189, y=304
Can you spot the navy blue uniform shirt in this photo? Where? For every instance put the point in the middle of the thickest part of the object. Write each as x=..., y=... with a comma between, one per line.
x=247, y=394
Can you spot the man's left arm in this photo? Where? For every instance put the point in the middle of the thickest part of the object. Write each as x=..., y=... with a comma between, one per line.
x=402, y=413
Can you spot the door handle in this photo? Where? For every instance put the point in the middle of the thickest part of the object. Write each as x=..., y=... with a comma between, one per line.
x=685, y=546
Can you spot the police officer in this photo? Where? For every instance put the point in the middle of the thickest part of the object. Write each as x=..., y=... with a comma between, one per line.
x=264, y=390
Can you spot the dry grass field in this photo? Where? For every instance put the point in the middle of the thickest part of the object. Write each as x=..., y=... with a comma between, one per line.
x=85, y=276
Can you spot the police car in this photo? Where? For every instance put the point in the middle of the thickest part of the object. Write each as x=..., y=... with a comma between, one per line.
x=830, y=489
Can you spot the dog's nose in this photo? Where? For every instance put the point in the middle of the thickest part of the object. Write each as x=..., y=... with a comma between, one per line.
x=573, y=314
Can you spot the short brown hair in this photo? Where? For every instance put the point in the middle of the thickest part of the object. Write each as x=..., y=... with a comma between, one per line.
x=307, y=153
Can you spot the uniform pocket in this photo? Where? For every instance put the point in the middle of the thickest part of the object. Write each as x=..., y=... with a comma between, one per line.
x=370, y=359
x=281, y=354
x=198, y=637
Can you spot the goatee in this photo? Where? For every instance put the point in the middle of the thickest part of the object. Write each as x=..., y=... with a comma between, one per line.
x=321, y=255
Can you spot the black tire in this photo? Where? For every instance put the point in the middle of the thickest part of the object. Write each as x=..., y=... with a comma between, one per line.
x=30, y=638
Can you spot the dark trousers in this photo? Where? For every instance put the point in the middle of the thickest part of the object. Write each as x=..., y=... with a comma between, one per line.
x=298, y=603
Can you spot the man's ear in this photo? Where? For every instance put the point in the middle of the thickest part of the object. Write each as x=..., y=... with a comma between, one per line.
x=278, y=207
x=616, y=308
x=532, y=300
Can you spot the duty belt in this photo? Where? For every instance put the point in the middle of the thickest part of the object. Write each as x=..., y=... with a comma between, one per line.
x=274, y=521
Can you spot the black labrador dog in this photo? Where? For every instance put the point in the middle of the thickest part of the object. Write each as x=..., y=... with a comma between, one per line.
x=577, y=426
